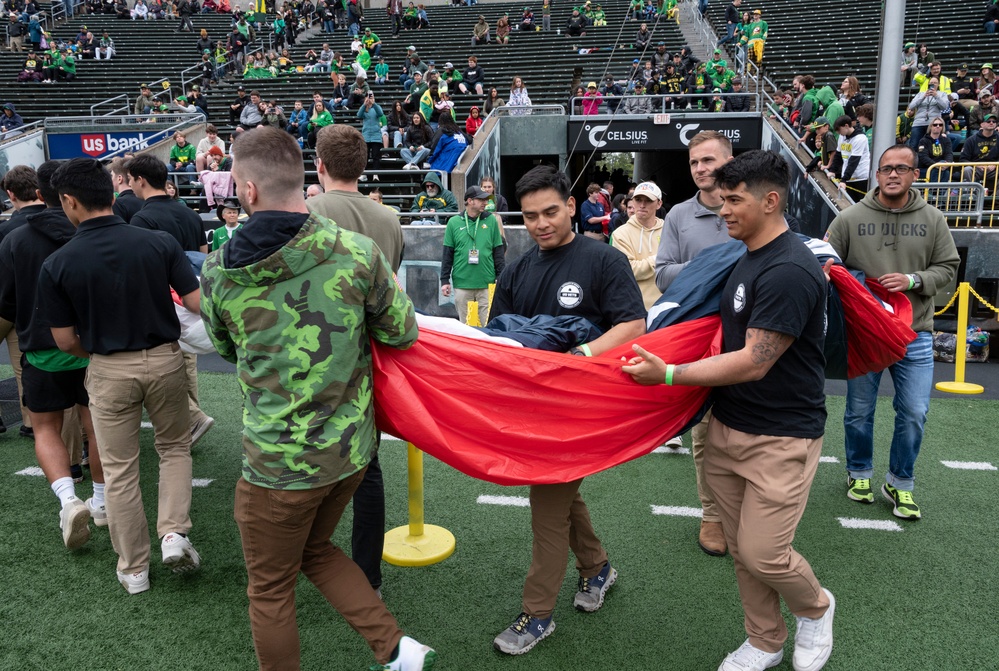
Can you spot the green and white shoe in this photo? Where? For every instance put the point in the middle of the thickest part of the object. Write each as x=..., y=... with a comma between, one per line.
x=859, y=490
x=904, y=507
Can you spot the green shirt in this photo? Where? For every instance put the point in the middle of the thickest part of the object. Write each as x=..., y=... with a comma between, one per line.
x=55, y=360
x=468, y=238
x=369, y=40
x=222, y=235
x=185, y=154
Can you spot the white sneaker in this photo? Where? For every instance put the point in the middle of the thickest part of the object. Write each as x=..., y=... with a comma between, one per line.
x=200, y=428
x=99, y=513
x=426, y=166
x=748, y=658
x=178, y=553
x=813, y=641
x=74, y=520
x=134, y=583
x=674, y=443
x=362, y=178
x=413, y=656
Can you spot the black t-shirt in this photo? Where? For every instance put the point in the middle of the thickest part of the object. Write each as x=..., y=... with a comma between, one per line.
x=584, y=278
x=127, y=205
x=163, y=213
x=112, y=282
x=779, y=287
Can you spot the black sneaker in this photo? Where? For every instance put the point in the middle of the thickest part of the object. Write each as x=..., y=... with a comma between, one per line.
x=25, y=432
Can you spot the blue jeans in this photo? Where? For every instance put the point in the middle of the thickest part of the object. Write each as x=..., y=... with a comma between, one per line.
x=328, y=26
x=913, y=380
x=702, y=6
x=990, y=28
x=917, y=134
x=414, y=157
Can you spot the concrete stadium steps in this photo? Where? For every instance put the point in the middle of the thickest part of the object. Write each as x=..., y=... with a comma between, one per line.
x=843, y=39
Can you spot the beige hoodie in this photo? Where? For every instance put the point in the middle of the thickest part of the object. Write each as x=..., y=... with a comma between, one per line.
x=640, y=244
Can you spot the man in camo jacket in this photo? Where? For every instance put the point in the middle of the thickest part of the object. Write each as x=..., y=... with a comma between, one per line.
x=293, y=301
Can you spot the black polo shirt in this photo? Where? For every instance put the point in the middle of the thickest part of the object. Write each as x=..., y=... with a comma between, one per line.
x=112, y=282
x=127, y=205
x=18, y=219
x=163, y=213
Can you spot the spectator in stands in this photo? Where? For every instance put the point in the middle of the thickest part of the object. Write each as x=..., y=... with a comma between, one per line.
x=718, y=103
x=699, y=83
x=184, y=12
x=210, y=140
x=416, y=141
x=416, y=64
x=298, y=123
x=612, y=93
x=359, y=91
x=319, y=118
x=448, y=144
x=496, y=201
x=473, y=122
x=636, y=102
x=826, y=146
x=594, y=220
x=30, y=69
x=721, y=77
x=381, y=71
x=144, y=102
x=64, y=66
x=237, y=105
x=251, y=116
x=591, y=100
x=987, y=78
x=480, y=31
x=927, y=104
x=433, y=199
x=934, y=71
x=16, y=32
x=518, y=96
x=10, y=121
x=273, y=115
x=140, y=10
x=183, y=158
x=991, y=18
x=808, y=106
x=910, y=63
x=865, y=121
x=372, y=43
x=105, y=47
x=527, y=20
x=755, y=37
x=924, y=57
x=411, y=17
x=964, y=86
x=982, y=147
x=660, y=57
x=856, y=156
x=731, y=22
x=670, y=85
x=575, y=26
x=204, y=42
x=986, y=105
x=493, y=101
x=739, y=101
x=503, y=29
x=397, y=122
x=935, y=147
x=639, y=237
x=850, y=96
x=411, y=102
x=394, y=10
x=35, y=32
x=643, y=37
x=903, y=126
x=370, y=114
x=473, y=77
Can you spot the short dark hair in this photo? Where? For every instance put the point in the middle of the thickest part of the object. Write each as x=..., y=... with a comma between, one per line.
x=342, y=150
x=843, y=120
x=149, y=168
x=44, y=174
x=761, y=172
x=86, y=180
x=22, y=181
x=543, y=177
x=808, y=81
x=866, y=110
x=913, y=156
x=272, y=159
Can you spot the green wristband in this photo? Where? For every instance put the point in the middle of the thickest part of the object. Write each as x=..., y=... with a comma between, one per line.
x=669, y=373
x=586, y=349
x=912, y=282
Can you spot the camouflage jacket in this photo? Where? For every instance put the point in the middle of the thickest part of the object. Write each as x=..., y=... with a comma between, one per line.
x=297, y=325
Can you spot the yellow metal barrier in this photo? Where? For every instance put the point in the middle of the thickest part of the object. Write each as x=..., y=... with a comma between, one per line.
x=952, y=202
x=958, y=385
x=417, y=544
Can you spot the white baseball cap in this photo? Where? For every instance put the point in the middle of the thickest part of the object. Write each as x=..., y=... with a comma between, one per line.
x=649, y=190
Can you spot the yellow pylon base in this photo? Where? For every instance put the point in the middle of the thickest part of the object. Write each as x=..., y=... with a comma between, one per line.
x=402, y=549
x=960, y=387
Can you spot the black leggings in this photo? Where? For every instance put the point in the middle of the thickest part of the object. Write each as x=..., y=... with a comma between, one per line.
x=374, y=155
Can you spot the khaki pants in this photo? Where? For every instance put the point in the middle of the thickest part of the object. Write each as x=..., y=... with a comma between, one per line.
x=462, y=297
x=191, y=370
x=286, y=531
x=17, y=43
x=119, y=386
x=560, y=521
x=698, y=435
x=14, y=351
x=761, y=484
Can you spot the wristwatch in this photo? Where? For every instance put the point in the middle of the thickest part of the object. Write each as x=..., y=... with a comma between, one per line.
x=577, y=351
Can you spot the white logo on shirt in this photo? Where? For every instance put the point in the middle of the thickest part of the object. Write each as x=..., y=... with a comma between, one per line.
x=570, y=295
x=739, y=301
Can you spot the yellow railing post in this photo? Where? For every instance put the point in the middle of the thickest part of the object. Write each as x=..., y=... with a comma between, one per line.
x=959, y=386
x=417, y=544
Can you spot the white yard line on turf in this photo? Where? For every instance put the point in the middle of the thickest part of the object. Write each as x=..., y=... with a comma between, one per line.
x=877, y=525
x=519, y=501
x=828, y=460
x=662, y=449
x=31, y=470
x=970, y=465
x=676, y=511
x=201, y=482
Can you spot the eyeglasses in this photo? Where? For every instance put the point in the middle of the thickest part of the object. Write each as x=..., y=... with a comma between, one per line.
x=899, y=169
x=936, y=125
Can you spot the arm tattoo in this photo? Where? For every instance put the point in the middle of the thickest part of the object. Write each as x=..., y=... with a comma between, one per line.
x=767, y=346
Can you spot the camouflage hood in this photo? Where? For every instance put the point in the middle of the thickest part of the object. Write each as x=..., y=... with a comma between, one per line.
x=313, y=244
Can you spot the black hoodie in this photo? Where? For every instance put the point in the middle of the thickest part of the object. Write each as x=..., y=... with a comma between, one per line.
x=22, y=253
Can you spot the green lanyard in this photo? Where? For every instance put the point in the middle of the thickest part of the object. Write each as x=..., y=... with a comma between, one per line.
x=474, y=231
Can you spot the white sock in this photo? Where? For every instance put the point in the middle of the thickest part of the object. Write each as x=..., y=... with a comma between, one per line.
x=98, y=493
x=64, y=489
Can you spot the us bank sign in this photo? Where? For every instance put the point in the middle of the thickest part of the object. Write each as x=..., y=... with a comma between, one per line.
x=675, y=134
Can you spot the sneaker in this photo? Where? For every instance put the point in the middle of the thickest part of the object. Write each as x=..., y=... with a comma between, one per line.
x=134, y=583
x=813, y=641
x=426, y=166
x=413, y=656
x=178, y=553
x=85, y=461
x=99, y=513
x=748, y=658
x=200, y=428
x=523, y=634
x=74, y=520
x=905, y=507
x=25, y=432
x=859, y=490
x=362, y=178
x=76, y=472
x=590, y=595
x=376, y=178
x=674, y=443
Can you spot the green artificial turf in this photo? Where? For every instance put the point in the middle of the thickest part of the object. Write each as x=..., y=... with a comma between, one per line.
x=922, y=598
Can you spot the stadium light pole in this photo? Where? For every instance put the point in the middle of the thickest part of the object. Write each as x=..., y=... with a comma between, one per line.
x=889, y=79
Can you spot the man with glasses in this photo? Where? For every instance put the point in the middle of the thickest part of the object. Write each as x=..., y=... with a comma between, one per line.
x=982, y=147
x=894, y=236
